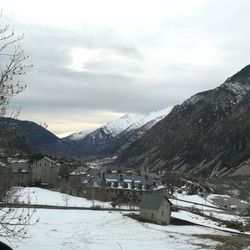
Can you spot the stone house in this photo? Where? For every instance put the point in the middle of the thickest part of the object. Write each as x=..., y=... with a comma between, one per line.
x=76, y=176
x=20, y=173
x=45, y=172
x=155, y=208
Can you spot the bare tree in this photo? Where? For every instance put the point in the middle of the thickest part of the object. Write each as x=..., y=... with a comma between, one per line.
x=13, y=221
x=66, y=199
x=12, y=66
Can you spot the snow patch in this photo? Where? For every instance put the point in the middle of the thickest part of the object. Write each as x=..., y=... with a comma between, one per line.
x=238, y=89
x=80, y=135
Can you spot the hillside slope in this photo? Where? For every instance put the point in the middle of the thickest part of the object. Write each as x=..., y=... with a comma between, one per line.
x=207, y=135
x=29, y=137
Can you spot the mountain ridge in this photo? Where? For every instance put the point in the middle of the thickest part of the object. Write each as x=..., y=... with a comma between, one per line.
x=104, y=141
x=31, y=138
x=128, y=121
x=197, y=136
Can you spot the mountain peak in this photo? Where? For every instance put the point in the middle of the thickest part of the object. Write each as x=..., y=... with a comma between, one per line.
x=126, y=122
x=134, y=121
x=242, y=77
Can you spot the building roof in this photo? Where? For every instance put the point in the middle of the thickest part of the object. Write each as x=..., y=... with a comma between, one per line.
x=128, y=178
x=48, y=159
x=94, y=172
x=112, y=177
x=138, y=179
x=111, y=167
x=19, y=166
x=80, y=170
x=152, y=201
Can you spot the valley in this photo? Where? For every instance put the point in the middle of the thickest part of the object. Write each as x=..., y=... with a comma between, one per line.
x=194, y=155
x=124, y=125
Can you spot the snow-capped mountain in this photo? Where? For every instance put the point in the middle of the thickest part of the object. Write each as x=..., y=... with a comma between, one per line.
x=126, y=122
x=78, y=136
x=108, y=139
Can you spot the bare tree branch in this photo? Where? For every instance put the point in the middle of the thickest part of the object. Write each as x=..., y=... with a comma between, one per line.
x=12, y=66
x=13, y=221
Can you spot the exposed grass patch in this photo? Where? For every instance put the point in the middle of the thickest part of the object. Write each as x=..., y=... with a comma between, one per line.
x=228, y=242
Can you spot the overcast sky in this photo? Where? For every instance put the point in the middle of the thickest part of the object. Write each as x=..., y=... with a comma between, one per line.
x=97, y=60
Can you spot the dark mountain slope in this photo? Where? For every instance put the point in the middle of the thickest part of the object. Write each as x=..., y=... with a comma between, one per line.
x=29, y=137
x=93, y=144
x=208, y=134
x=100, y=143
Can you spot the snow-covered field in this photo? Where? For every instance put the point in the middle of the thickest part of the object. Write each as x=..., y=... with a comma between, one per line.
x=207, y=222
x=206, y=207
x=89, y=229
x=39, y=196
x=225, y=217
x=101, y=230
x=191, y=200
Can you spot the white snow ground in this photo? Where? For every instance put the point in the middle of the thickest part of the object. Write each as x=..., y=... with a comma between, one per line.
x=194, y=201
x=194, y=198
x=206, y=222
x=39, y=196
x=101, y=230
x=205, y=206
x=89, y=229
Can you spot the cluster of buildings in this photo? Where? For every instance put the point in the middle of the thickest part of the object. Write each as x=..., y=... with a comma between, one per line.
x=109, y=183
x=115, y=184
x=121, y=186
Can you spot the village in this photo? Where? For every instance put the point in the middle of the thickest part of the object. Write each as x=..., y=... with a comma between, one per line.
x=106, y=183
x=142, y=190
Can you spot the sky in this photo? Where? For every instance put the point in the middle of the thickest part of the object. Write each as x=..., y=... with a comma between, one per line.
x=94, y=60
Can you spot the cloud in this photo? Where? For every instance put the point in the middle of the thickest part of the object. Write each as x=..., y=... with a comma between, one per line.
x=124, y=58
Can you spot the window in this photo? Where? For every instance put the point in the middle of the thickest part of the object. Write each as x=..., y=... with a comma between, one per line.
x=162, y=213
x=152, y=215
